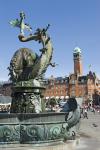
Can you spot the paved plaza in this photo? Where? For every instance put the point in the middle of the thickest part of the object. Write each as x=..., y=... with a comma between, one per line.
x=89, y=138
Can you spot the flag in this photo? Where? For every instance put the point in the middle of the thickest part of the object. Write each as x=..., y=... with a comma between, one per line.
x=89, y=66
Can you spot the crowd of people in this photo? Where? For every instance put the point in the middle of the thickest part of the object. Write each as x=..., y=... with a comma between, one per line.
x=65, y=105
x=5, y=108
x=86, y=108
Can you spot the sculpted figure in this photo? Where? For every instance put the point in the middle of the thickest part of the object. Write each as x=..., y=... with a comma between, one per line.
x=27, y=68
x=20, y=24
x=26, y=64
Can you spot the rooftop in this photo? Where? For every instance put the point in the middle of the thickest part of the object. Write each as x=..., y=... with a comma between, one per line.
x=77, y=50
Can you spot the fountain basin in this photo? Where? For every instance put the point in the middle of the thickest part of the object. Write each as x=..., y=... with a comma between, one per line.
x=37, y=128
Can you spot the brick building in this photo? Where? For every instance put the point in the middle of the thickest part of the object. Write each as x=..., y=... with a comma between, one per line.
x=56, y=87
x=5, y=88
x=76, y=84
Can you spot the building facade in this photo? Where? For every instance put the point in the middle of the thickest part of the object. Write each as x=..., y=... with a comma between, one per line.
x=56, y=87
x=76, y=84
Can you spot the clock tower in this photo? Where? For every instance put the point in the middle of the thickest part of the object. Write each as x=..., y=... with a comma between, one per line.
x=77, y=61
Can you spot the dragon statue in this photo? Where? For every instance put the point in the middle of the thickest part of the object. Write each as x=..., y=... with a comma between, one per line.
x=27, y=68
x=26, y=64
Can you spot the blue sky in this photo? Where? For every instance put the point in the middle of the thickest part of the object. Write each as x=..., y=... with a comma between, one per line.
x=73, y=23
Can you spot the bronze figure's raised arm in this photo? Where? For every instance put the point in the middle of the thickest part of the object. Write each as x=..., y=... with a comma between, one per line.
x=20, y=23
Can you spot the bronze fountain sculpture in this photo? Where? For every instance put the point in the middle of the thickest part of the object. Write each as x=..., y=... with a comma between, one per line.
x=27, y=70
x=27, y=121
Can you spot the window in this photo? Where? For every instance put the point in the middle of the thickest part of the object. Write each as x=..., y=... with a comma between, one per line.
x=73, y=81
x=73, y=93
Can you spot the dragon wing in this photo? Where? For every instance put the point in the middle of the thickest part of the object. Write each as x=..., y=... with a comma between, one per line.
x=15, y=23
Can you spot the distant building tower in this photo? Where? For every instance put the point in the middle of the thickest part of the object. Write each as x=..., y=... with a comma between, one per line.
x=77, y=61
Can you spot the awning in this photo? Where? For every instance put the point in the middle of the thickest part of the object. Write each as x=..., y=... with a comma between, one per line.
x=52, y=97
x=62, y=97
x=57, y=97
x=5, y=104
x=67, y=97
x=47, y=97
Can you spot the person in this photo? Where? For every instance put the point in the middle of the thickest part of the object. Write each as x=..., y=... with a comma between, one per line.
x=81, y=112
x=93, y=111
x=85, y=114
x=98, y=111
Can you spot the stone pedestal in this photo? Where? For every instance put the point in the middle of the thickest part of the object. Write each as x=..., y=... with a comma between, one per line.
x=26, y=98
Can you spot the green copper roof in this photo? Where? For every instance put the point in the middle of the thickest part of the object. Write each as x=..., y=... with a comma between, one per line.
x=77, y=50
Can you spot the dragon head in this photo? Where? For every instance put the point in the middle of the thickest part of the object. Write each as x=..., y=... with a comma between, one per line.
x=22, y=15
x=41, y=33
